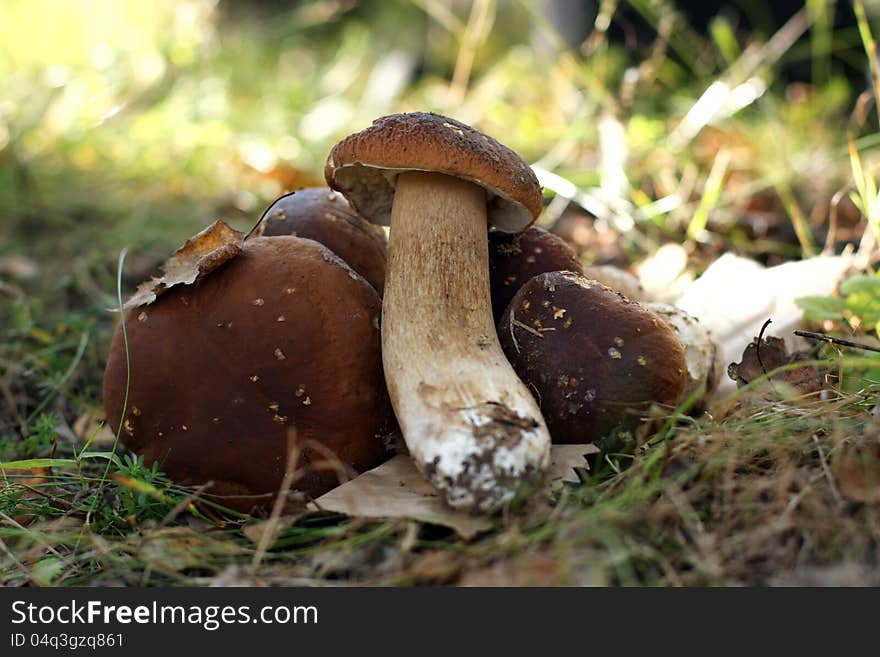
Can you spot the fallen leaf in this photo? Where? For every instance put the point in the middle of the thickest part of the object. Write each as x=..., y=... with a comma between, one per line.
x=200, y=255
x=92, y=427
x=396, y=489
x=735, y=296
x=18, y=267
x=856, y=471
x=762, y=357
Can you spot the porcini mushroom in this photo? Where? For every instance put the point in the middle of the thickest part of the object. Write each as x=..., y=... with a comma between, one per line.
x=596, y=360
x=323, y=215
x=470, y=424
x=519, y=257
x=516, y=258
x=276, y=350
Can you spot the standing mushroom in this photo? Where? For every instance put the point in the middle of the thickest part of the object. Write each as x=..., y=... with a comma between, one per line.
x=470, y=424
x=320, y=214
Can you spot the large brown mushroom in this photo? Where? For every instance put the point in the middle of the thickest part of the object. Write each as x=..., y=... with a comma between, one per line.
x=595, y=360
x=470, y=424
x=323, y=215
x=276, y=350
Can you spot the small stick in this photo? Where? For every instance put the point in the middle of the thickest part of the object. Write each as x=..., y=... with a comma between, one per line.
x=838, y=341
x=758, y=346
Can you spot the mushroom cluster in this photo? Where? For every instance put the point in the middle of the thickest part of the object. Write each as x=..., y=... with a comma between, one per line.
x=493, y=335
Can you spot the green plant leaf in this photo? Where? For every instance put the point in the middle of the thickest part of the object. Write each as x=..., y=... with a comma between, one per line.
x=817, y=308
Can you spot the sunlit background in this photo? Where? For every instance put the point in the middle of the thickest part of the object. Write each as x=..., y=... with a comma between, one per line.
x=149, y=119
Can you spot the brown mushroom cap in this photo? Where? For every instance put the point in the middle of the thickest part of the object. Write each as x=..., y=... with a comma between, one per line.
x=323, y=215
x=364, y=166
x=517, y=258
x=595, y=360
x=281, y=342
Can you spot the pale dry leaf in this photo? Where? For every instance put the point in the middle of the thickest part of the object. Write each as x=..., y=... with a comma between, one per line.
x=91, y=426
x=200, y=255
x=396, y=489
x=18, y=267
x=856, y=471
x=735, y=296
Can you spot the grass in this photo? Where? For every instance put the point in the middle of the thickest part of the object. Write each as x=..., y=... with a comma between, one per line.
x=135, y=129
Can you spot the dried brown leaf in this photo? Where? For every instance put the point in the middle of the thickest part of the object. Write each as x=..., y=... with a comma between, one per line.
x=199, y=256
x=762, y=357
x=396, y=489
x=857, y=472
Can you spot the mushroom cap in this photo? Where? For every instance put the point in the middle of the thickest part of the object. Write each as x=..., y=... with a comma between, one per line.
x=280, y=343
x=595, y=360
x=364, y=166
x=323, y=215
x=516, y=259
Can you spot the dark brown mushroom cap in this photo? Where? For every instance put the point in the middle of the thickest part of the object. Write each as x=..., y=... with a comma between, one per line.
x=516, y=259
x=364, y=166
x=323, y=215
x=282, y=342
x=595, y=360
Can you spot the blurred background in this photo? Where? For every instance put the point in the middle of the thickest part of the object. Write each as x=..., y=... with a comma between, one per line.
x=130, y=124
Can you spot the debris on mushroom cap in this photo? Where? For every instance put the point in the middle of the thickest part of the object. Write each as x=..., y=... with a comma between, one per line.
x=280, y=344
x=516, y=258
x=704, y=362
x=618, y=280
x=595, y=360
x=323, y=215
x=200, y=255
x=364, y=166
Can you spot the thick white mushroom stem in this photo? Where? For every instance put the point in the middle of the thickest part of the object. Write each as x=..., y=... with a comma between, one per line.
x=471, y=425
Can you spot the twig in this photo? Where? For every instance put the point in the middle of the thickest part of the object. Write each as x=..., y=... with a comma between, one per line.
x=758, y=345
x=811, y=335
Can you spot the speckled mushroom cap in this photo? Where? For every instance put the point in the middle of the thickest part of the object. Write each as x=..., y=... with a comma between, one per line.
x=364, y=166
x=595, y=360
x=515, y=259
x=323, y=215
x=280, y=343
